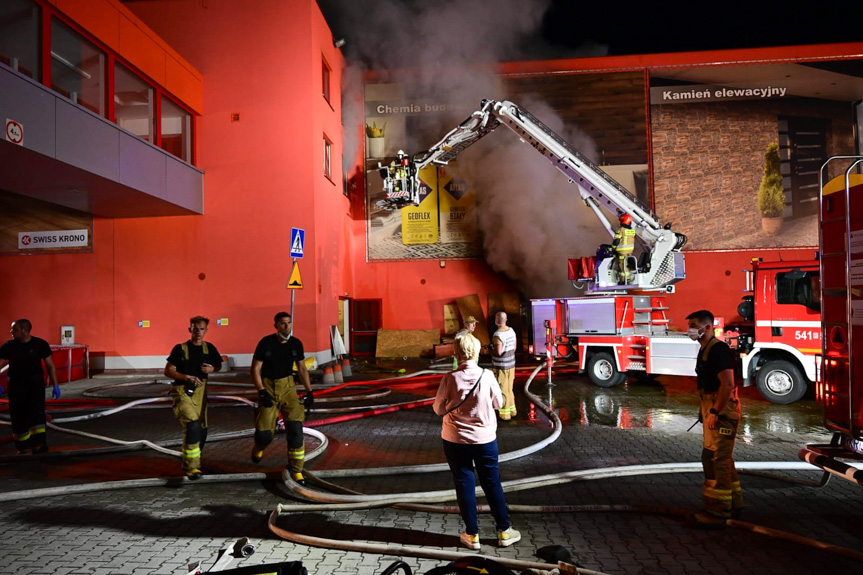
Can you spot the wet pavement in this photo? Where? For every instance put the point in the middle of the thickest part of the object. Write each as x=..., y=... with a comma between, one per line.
x=160, y=528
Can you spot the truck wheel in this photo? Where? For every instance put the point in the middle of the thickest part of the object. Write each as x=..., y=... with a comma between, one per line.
x=780, y=381
x=602, y=370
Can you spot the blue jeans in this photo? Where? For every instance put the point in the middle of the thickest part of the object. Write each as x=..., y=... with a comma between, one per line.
x=461, y=459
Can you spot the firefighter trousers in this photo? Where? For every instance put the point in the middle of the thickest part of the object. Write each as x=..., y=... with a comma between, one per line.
x=622, y=268
x=721, y=493
x=191, y=411
x=286, y=402
x=27, y=414
x=505, y=378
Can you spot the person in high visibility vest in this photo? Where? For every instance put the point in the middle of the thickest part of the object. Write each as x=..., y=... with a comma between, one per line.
x=624, y=244
x=189, y=365
x=503, y=363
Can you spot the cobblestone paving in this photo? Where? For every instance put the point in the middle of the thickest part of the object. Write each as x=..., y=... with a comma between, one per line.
x=159, y=529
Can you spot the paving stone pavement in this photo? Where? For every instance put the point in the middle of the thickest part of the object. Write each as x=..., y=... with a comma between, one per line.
x=160, y=529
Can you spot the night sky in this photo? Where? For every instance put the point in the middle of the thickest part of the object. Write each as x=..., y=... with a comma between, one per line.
x=572, y=28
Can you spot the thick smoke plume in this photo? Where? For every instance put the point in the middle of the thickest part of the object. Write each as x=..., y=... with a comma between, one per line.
x=531, y=218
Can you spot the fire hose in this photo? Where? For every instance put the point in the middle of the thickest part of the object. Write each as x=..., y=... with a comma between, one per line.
x=421, y=500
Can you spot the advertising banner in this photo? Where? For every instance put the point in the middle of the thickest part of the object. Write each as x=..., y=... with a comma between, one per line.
x=457, y=206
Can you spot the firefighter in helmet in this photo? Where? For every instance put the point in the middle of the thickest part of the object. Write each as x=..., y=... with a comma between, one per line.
x=624, y=244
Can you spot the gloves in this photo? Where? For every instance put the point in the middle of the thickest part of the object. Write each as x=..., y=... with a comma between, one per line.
x=56, y=393
x=266, y=398
x=308, y=400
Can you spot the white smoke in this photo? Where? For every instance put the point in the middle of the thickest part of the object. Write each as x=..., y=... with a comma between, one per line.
x=531, y=218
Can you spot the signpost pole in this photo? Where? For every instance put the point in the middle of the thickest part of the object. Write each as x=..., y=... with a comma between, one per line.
x=293, y=293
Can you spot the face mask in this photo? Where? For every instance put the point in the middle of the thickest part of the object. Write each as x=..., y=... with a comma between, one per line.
x=694, y=333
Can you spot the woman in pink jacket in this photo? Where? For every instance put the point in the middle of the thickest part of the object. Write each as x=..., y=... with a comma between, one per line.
x=466, y=399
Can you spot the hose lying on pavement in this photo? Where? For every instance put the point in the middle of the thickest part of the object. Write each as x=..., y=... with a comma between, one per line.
x=344, y=500
x=421, y=501
x=403, y=550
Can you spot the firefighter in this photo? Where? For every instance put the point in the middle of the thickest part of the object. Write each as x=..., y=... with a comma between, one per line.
x=276, y=364
x=624, y=244
x=25, y=354
x=720, y=416
x=469, y=327
x=503, y=363
x=189, y=365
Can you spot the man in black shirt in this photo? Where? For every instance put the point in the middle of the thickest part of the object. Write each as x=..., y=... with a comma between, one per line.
x=720, y=414
x=25, y=353
x=189, y=365
x=277, y=361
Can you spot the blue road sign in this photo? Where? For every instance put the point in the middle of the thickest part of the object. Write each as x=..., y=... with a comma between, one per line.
x=298, y=242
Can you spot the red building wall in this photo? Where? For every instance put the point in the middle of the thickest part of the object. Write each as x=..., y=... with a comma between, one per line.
x=263, y=176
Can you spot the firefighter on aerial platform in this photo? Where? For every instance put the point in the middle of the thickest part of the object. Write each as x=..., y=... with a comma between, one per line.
x=396, y=180
x=624, y=244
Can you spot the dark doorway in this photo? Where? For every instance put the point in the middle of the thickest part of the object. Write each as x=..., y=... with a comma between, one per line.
x=802, y=152
x=365, y=323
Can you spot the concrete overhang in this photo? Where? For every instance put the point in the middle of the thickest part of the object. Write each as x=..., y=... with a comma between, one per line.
x=74, y=158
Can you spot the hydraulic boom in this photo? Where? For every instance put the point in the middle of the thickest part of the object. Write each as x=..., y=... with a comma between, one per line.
x=662, y=263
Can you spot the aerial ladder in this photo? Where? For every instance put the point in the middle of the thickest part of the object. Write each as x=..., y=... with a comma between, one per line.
x=661, y=264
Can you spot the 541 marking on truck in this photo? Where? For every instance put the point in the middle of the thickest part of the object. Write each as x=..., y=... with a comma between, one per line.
x=807, y=334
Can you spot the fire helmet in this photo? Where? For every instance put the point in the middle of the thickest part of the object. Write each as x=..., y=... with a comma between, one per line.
x=625, y=219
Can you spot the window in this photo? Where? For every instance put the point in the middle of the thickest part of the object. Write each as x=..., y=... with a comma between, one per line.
x=328, y=157
x=77, y=68
x=325, y=80
x=176, y=130
x=133, y=103
x=19, y=36
x=799, y=287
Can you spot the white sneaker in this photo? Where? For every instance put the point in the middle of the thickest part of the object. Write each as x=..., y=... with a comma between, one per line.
x=508, y=537
x=470, y=541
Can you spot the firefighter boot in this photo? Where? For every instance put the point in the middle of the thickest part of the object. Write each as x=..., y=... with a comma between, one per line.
x=192, y=435
x=38, y=440
x=716, y=507
x=22, y=442
x=296, y=451
x=262, y=439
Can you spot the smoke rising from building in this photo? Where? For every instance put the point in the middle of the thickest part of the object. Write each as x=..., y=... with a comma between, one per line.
x=530, y=218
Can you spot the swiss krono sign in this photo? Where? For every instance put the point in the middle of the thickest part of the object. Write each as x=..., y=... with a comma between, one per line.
x=55, y=239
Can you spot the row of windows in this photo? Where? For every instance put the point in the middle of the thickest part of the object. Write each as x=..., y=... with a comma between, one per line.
x=91, y=77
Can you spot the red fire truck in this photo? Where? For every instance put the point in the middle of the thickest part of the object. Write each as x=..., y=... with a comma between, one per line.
x=615, y=337
x=839, y=386
x=617, y=333
x=781, y=336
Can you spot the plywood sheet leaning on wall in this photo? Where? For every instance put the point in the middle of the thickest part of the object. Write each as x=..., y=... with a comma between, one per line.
x=511, y=304
x=469, y=305
x=451, y=320
x=406, y=343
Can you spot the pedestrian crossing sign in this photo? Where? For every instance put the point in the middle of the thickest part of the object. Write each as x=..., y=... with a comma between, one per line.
x=295, y=281
x=298, y=241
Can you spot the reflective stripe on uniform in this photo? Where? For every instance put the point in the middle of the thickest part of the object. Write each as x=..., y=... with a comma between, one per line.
x=297, y=453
